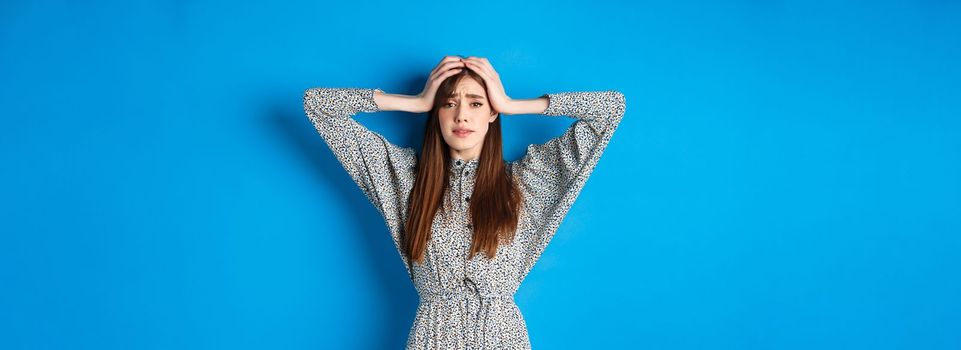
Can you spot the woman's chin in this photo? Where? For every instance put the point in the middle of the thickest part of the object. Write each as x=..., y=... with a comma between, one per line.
x=461, y=146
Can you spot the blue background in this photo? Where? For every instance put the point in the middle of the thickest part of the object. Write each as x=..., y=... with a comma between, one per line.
x=786, y=176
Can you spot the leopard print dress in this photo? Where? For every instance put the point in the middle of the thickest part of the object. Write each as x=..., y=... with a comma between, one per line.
x=469, y=303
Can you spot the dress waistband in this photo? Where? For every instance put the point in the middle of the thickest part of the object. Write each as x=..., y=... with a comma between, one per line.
x=459, y=294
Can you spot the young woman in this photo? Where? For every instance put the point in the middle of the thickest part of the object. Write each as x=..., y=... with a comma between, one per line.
x=468, y=225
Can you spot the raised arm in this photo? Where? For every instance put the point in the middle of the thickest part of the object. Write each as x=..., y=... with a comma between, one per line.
x=383, y=170
x=552, y=174
x=369, y=158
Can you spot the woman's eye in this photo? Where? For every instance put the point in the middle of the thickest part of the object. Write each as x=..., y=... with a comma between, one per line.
x=449, y=104
x=478, y=104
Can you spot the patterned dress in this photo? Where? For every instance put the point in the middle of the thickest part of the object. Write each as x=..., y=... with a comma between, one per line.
x=469, y=303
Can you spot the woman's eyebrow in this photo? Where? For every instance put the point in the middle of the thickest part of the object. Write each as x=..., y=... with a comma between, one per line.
x=454, y=95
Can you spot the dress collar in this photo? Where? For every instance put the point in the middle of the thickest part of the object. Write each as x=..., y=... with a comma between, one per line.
x=457, y=163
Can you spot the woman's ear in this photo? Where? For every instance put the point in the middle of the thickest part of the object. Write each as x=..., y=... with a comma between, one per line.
x=493, y=117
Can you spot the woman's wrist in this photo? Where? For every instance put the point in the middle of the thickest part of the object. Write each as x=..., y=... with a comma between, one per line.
x=397, y=102
x=526, y=106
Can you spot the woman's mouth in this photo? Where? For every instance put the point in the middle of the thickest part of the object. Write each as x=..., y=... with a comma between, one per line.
x=462, y=132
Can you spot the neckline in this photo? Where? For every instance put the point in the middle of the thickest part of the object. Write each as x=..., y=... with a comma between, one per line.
x=462, y=163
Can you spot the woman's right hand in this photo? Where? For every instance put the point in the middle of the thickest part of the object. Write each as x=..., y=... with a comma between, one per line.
x=447, y=67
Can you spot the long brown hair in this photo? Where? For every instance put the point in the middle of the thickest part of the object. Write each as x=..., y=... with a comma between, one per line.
x=495, y=203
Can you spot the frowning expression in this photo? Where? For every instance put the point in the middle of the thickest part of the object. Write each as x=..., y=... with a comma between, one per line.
x=465, y=117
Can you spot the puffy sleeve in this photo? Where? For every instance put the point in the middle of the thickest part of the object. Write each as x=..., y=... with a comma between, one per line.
x=382, y=170
x=551, y=174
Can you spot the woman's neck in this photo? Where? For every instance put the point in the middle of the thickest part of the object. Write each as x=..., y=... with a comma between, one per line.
x=464, y=155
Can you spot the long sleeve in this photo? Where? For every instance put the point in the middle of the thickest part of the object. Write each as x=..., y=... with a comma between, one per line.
x=382, y=170
x=552, y=174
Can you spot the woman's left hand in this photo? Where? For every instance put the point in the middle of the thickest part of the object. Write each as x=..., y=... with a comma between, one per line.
x=498, y=98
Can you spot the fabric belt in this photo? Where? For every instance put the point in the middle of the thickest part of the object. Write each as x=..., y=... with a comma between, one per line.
x=458, y=294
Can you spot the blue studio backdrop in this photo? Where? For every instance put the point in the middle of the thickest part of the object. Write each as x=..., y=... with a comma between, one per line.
x=787, y=174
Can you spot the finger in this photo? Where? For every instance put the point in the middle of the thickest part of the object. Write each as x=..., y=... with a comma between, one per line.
x=489, y=76
x=446, y=59
x=434, y=84
x=480, y=62
x=476, y=68
x=482, y=70
x=446, y=67
x=439, y=78
x=483, y=62
x=448, y=73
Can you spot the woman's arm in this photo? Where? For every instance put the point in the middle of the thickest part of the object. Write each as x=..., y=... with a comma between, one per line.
x=552, y=174
x=382, y=170
x=561, y=165
x=496, y=93
x=396, y=102
x=527, y=106
x=369, y=158
x=423, y=101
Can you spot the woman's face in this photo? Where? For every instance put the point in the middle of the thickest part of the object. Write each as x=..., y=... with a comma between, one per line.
x=465, y=117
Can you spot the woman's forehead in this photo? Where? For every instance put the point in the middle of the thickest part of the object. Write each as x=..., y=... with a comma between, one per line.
x=466, y=94
x=468, y=89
